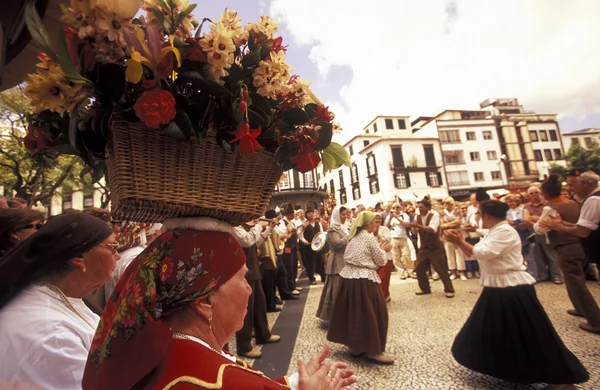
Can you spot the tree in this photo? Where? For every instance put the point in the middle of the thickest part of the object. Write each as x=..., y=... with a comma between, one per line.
x=33, y=176
x=578, y=157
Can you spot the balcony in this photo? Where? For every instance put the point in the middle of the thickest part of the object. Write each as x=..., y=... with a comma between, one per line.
x=459, y=183
x=417, y=166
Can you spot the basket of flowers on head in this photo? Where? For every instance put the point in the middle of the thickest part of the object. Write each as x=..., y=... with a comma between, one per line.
x=181, y=122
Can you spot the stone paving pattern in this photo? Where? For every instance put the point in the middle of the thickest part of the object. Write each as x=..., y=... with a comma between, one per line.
x=421, y=332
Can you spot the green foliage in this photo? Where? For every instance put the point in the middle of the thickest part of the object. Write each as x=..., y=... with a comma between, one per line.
x=580, y=158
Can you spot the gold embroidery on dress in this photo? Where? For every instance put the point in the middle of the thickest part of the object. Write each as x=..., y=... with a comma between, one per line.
x=219, y=383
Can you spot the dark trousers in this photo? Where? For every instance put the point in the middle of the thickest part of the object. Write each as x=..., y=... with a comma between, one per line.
x=256, y=318
x=282, y=279
x=472, y=265
x=269, y=277
x=313, y=261
x=320, y=265
x=571, y=259
x=437, y=259
x=290, y=262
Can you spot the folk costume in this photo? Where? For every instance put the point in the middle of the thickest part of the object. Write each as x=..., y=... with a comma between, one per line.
x=135, y=349
x=268, y=265
x=313, y=261
x=508, y=334
x=289, y=256
x=337, y=237
x=45, y=336
x=360, y=315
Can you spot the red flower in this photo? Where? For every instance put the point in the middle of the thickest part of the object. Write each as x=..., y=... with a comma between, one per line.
x=193, y=52
x=166, y=269
x=277, y=45
x=306, y=162
x=323, y=114
x=73, y=42
x=165, y=68
x=36, y=139
x=248, y=142
x=155, y=107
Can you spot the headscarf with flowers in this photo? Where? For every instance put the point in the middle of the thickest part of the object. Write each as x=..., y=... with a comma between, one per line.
x=179, y=267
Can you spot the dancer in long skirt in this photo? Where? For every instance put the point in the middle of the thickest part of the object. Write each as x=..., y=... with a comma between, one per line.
x=337, y=237
x=508, y=334
x=360, y=316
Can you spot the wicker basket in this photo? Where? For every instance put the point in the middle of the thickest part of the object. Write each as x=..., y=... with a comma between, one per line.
x=153, y=177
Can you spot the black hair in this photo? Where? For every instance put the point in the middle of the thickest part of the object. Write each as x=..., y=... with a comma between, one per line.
x=552, y=186
x=481, y=195
x=494, y=208
x=342, y=209
x=425, y=202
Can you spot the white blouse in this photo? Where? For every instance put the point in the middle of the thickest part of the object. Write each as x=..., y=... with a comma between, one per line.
x=42, y=342
x=385, y=235
x=500, y=259
x=363, y=258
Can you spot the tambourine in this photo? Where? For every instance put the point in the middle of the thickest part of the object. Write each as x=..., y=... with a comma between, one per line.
x=319, y=243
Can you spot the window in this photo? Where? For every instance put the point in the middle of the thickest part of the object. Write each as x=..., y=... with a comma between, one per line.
x=538, y=155
x=67, y=203
x=350, y=150
x=574, y=141
x=475, y=156
x=355, y=192
x=331, y=186
x=341, y=174
x=496, y=175
x=454, y=157
x=458, y=178
x=471, y=136
x=365, y=143
x=374, y=186
x=401, y=124
x=491, y=155
x=88, y=201
x=557, y=154
x=553, y=136
x=374, y=127
x=434, y=179
x=309, y=180
x=371, y=165
x=401, y=180
x=478, y=176
x=533, y=135
x=543, y=136
x=354, y=173
x=397, y=157
x=548, y=154
x=389, y=124
x=449, y=136
x=487, y=135
x=343, y=197
x=588, y=142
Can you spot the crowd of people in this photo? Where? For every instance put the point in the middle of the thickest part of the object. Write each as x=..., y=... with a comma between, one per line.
x=90, y=294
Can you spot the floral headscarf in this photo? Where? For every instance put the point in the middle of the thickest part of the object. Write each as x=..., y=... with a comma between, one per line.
x=177, y=268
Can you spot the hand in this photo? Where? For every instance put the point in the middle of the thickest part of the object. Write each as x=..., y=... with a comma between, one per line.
x=406, y=224
x=552, y=222
x=385, y=246
x=273, y=224
x=469, y=228
x=453, y=236
x=314, y=375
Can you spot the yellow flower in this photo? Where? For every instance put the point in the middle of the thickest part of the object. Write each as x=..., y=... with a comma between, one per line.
x=219, y=47
x=147, y=50
x=265, y=29
x=111, y=24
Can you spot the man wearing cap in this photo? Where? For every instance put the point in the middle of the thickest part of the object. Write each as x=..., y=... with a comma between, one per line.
x=268, y=264
x=312, y=260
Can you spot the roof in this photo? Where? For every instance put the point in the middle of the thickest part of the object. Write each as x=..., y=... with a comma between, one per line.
x=583, y=132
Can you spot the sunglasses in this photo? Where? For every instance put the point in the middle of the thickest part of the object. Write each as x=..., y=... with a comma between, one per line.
x=36, y=226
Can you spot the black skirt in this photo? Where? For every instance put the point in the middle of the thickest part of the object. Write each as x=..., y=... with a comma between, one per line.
x=509, y=336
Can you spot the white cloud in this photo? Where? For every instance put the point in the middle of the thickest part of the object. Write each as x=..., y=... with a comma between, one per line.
x=419, y=57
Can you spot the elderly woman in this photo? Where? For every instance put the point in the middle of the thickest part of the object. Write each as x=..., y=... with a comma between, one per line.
x=360, y=316
x=16, y=225
x=46, y=330
x=337, y=237
x=384, y=236
x=508, y=334
x=174, y=308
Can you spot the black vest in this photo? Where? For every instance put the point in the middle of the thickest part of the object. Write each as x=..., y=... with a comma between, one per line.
x=591, y=243
x=292, y=242
x=310, y=232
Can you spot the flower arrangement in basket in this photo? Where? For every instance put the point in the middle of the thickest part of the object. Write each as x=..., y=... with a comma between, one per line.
x=160, y=84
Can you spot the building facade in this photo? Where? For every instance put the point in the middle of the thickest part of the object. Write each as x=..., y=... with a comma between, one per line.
x=584, y=138
x=300, y=189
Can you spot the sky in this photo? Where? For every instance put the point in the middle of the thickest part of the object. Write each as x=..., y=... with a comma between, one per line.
x=418, y=58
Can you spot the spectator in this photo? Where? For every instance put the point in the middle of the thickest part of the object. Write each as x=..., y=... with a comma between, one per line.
x=17, y=225
x=97, y=212
x=17, y=203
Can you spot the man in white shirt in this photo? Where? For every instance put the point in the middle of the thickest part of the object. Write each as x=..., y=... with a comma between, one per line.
x=397, y=222
x=431, y=250
x=289, y=255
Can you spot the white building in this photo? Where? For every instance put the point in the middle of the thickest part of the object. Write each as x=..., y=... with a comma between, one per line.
x=584, y=138
x=300, y=189
x=388, y=161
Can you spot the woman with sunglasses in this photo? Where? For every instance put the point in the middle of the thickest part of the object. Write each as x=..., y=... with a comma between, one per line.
x=17, y=225
x=46, y=330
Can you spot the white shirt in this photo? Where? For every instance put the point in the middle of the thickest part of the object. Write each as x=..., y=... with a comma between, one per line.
x=42, y=342
x=435, y=220
x=397, y=230
x=384, y=234
x=363, y=257
x=127, y=256
x=249, y=238
x=589, y=217
x=500, y=259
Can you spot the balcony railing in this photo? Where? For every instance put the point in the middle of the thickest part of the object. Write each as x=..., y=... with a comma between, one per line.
x=297, y=188
x=459, y=183
x=416, y=165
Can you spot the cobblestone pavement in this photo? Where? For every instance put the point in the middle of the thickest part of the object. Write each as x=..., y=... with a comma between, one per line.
x=421, y=332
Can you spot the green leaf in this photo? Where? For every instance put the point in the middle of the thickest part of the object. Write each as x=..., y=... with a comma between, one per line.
x=295, y=116
x=328, y=161
x=339, y=153
x=311, y=110
x=251, y=59
x=236, y=75
x=99, y=171
x=199, y=30
x=285, y=154
x=65, y=61
x=325, y=135
x=87, y=169
x=172, y=130
x=262, y=103
x=178, y=43
x=184, y=123
x=38, y=32
x=200, y=81
x=238, y=115
x=73, y=125
x=185, y=13
x=256, y=119
x=65, y=149
x=265, y=50
x=159, y=16
x=200, y=136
